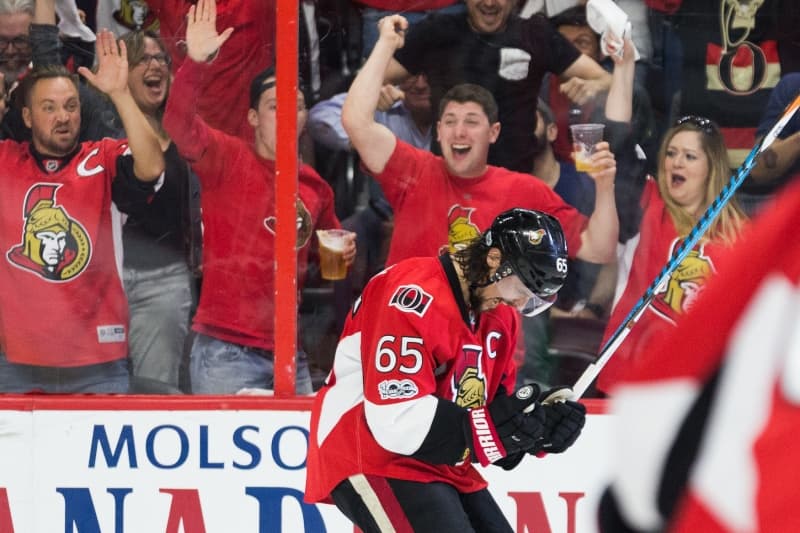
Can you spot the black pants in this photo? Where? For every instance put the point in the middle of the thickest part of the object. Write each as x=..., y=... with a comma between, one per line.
x=378, y=505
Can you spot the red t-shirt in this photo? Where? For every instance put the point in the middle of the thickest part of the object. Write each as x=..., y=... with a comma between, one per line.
x=238, y=201
x=434, y=211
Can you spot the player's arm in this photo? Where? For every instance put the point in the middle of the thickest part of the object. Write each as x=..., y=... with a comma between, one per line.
x=406, y=417
x=373, y=141
x=112, y=79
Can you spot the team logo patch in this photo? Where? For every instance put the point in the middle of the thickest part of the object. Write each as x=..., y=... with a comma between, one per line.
x=535, y=237
x=396, y=389
x=411, y=299
x=53, y=244
x=303, y=221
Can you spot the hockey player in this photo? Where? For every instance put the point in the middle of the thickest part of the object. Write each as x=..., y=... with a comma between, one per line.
x=64, y=314
x=420, y=381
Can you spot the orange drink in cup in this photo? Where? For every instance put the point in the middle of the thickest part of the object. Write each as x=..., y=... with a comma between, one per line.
x=584, y=139
x=332, y=243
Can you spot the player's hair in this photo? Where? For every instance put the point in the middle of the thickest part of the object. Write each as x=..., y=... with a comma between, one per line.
x=11, y=7
x=469, y=92
x=45, y=72
x=475, y=268
x=728, y=224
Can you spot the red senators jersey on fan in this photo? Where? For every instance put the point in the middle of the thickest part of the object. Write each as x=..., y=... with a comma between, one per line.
x=658, y=241
x=237, y=303
x=407, y=343
x=61, y=296
x=708, y=418
x=457, y=210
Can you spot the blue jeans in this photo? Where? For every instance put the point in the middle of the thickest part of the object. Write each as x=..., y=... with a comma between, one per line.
x=370, y=17
x=221, y=367
x=103, y=378
x=160, y=301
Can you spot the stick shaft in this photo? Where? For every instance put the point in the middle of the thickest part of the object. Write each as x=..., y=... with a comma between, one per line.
x=691, y=240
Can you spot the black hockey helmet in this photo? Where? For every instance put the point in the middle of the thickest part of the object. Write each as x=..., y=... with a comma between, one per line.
x=533, y=247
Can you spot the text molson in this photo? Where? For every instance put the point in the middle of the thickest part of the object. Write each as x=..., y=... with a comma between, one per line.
x=169, y=446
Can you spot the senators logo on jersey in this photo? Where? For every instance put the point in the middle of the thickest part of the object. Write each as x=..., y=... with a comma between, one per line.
x=469, y=383
x=460, y=229
x=687, y=281
x=303, y=224
x=411, y=299
x=54, y=246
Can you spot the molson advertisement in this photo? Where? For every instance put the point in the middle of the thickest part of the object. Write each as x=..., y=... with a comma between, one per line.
x=162, y=465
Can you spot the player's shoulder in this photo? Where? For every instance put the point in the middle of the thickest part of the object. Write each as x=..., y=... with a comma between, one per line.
x=413, y=286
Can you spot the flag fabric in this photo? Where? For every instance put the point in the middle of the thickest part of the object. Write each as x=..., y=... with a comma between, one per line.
x=708, y=417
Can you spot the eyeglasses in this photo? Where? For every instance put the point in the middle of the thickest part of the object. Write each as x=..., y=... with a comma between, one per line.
x=705, y=124
x=20, y=42
x=162, y=59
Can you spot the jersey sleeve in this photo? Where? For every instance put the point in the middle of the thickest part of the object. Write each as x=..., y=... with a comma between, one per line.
x=210, y=152
x=401, y=408
x=401, y=173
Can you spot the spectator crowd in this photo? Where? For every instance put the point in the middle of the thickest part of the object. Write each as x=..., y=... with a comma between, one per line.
x=138, y=166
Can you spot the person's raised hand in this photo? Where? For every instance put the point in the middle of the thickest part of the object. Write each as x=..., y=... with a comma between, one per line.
x=392, y=29
x=581, y=91
x=202, y=39
x=389, y=95
x=112, y=65
x=604, y=166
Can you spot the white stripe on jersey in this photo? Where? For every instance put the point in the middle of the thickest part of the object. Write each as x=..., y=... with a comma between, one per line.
x=373, y=503
x=398, y=426
x=348, y=391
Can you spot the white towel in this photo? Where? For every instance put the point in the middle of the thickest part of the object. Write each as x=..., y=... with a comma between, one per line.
x=606, y=18
x=70, y=22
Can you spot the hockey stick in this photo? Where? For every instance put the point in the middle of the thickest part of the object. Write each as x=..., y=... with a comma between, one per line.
x=680, y=254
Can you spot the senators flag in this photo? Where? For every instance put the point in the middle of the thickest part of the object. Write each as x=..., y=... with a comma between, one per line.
x=708, y=419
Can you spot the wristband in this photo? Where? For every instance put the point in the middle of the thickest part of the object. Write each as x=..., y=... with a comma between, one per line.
x=485, y=442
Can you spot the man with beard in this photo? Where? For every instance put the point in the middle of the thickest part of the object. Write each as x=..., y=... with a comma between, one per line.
x=64, y=314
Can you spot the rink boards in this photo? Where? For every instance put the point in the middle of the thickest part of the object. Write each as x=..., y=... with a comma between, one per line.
x=216, y=465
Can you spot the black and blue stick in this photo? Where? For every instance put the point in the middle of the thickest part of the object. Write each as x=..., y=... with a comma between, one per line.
x=681, y=252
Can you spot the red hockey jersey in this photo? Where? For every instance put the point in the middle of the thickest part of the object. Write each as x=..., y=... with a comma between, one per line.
x=406, y=342
x=710, y=415
x=658, y=241
x=435, y=212
x=61, y=296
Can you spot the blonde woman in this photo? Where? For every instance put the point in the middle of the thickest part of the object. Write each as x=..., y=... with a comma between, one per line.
x=693, y=168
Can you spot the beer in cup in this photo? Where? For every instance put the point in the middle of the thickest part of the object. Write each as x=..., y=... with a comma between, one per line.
x=584, y=139
x=332, y=243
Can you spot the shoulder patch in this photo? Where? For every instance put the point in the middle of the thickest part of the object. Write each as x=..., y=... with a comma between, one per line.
x=411, y=299
x=394, y=389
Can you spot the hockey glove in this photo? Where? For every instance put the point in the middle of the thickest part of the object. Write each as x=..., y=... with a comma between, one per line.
x=564, y=420
x=501, y=428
